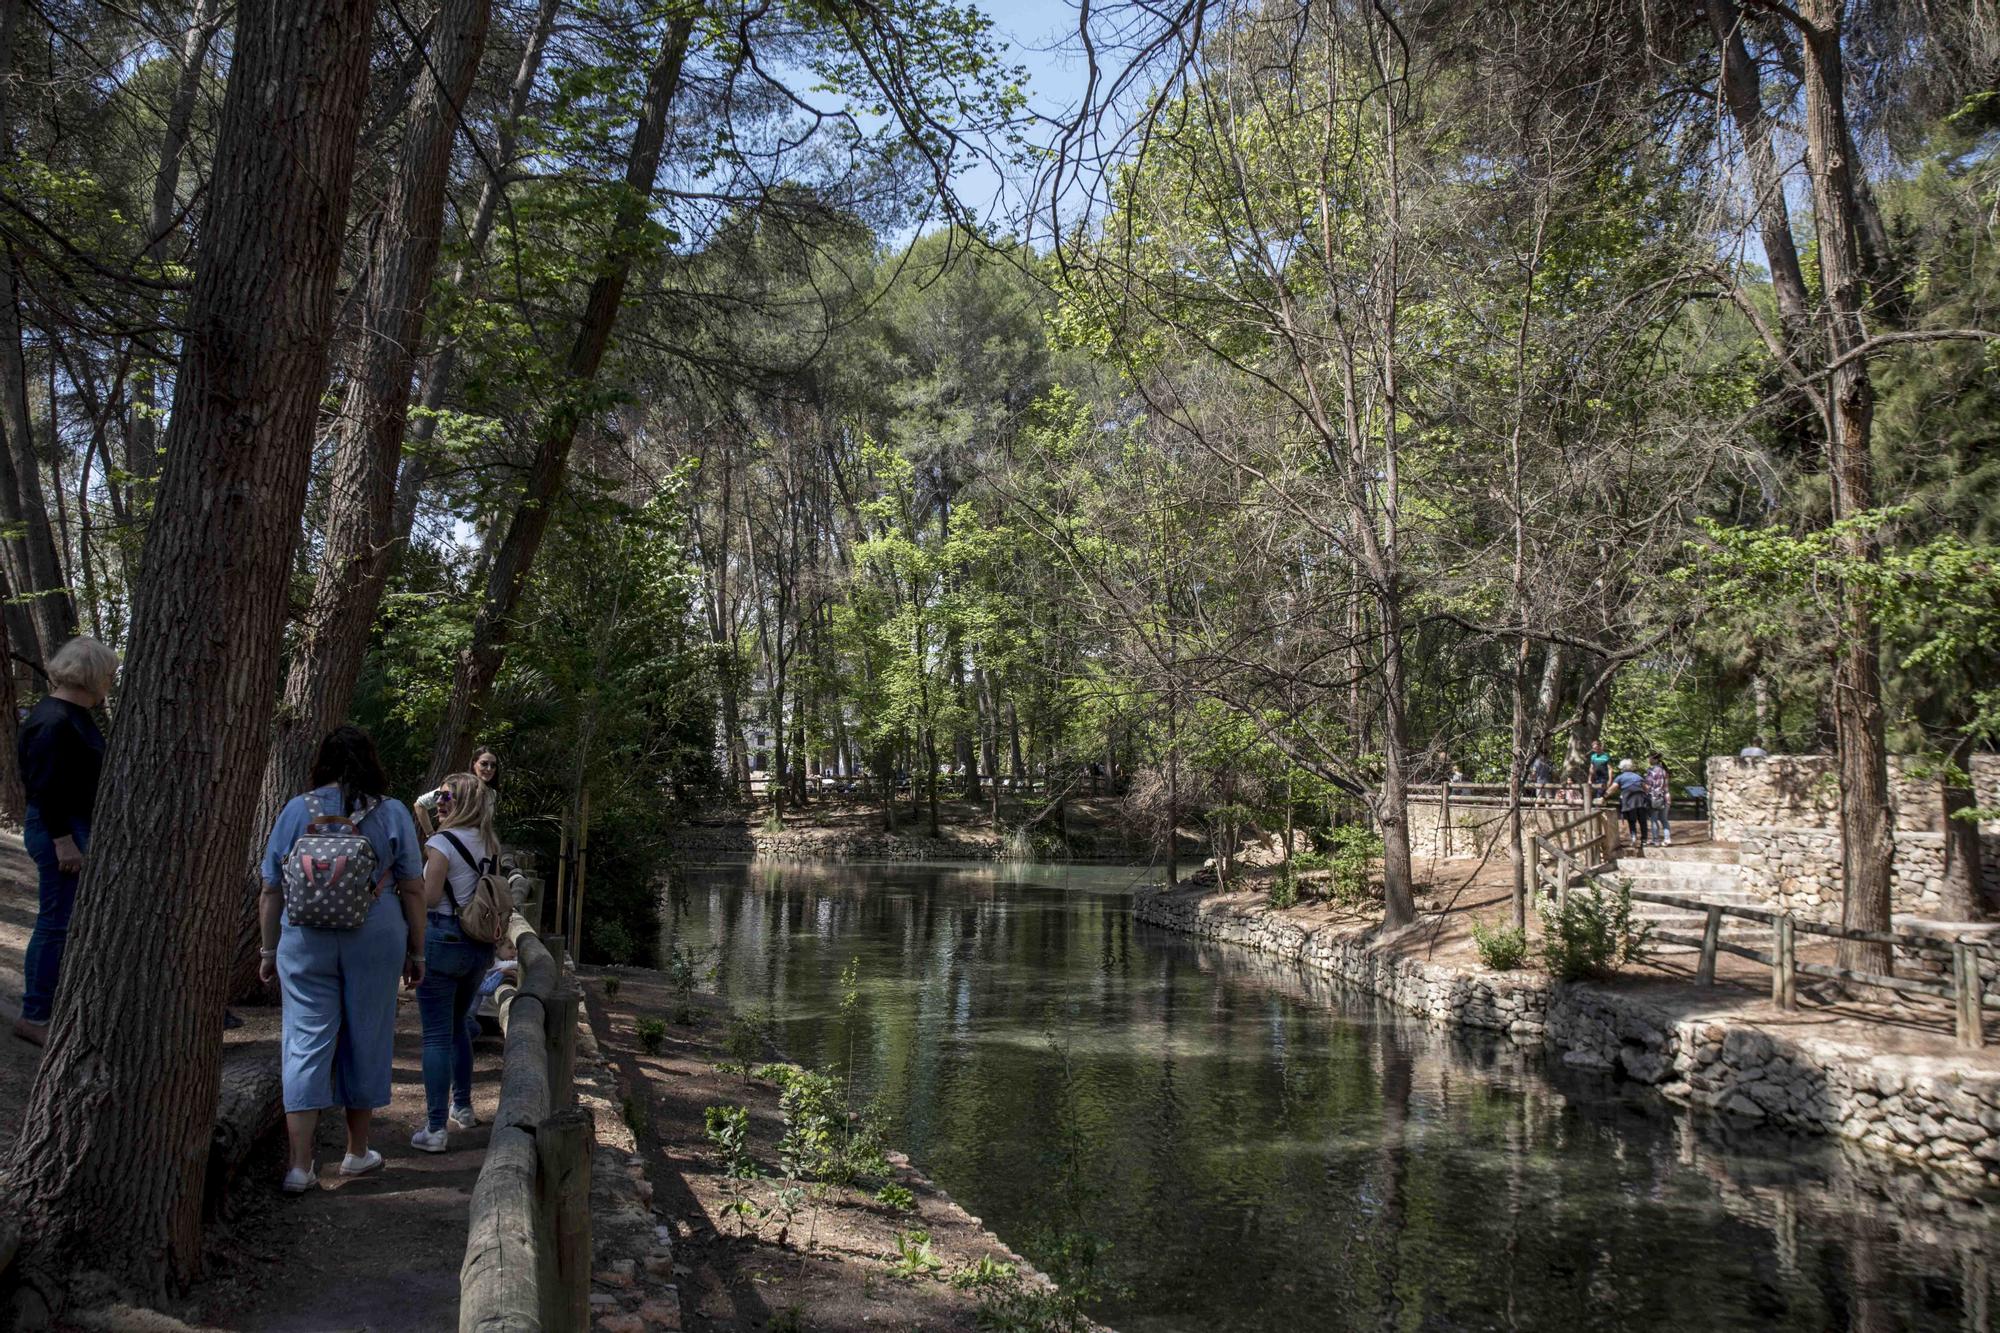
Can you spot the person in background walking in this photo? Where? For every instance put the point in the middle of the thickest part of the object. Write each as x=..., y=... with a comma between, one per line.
x=340, y=985
x=1630, y=789
x=463, y=848
x=1543, y=774
x=1659, y=800
x=1754, y=750
x=1600, y=764
x=62, y=756
x=485, y=767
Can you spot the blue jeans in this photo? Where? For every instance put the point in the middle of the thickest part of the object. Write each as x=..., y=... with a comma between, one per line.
x=43, y=964
x=1660, y=828
x=453, y=968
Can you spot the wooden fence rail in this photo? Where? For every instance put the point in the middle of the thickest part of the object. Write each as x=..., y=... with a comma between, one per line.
x=527, y=1248
x=1965, y=989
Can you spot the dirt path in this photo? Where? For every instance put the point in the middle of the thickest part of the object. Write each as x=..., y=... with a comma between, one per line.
x=827, y=1258
x=377, y=1253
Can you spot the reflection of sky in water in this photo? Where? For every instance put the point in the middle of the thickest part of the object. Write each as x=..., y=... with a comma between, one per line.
x=1264, y=1151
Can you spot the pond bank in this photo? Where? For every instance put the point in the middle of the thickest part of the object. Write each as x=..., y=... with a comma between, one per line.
x=1908, y=1093
x=767, y=1251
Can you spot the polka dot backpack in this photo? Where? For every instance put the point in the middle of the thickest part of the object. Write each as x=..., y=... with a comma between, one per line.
x=330, y=871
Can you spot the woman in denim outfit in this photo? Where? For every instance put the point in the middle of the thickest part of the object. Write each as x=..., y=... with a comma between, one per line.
x=454, y=857
x=62, y=755
x=340, y=985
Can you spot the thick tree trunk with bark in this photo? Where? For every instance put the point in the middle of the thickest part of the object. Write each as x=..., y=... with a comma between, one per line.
x=33, y=565
x=479, y=665
x=1742, y=90
x=438, y=374
x=1866, y=843
x=107, y=1172
x=400, y=264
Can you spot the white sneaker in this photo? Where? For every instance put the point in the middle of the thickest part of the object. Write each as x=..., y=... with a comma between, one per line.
x=351, y=1165
x=431, y=1140
x=462, y=1117
x=298, y=1182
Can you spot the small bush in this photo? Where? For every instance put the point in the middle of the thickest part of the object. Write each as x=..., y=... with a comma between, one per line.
x=914, y=1257
x=773, y=823
x=1285, y=888
x=749, y=1035
x=611, y=941
x=896, y=1197
x=985, y=1271
x=1502, y=949
x=1591, y=937
x=821, y=1141
x=728, y=1128
x=652, y=1035
x=611, y=984
x=1353, y=851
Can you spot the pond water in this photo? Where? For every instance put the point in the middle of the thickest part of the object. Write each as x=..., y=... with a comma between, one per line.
x=1262, y=1150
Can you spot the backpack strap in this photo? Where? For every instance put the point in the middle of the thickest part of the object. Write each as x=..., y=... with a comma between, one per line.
x=477, y=868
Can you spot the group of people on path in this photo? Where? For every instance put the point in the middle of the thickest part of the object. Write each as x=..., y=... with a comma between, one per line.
x=1645, y=799
x=379, y=904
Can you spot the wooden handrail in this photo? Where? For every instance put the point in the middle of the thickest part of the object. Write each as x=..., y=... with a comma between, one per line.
x=527, y=1245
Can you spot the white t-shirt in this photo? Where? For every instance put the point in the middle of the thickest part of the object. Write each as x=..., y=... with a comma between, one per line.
x=460, y=878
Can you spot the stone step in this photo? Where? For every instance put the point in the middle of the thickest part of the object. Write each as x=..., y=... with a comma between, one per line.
x=1705, y=852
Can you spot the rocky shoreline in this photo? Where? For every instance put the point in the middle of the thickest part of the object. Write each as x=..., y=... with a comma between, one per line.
x=1942, y=1112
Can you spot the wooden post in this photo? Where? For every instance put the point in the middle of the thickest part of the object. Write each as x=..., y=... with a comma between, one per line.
x=1782, y=993
x=1711, y=934
x=575, y=924
x=563, y=1149
x=1562, y=879
x=1966, y=987
x=558, y=947
x=553, y=920
x=1444, y=820
x=562, y=1045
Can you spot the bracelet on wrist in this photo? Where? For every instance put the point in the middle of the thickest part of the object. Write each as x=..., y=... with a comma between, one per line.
x=267, y=953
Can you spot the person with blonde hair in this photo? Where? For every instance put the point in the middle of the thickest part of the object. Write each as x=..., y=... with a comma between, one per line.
x=463, y=848
x=62, y=757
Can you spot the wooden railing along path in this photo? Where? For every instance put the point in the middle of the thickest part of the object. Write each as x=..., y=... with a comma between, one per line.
x=527, y=1249
x=1560, y=863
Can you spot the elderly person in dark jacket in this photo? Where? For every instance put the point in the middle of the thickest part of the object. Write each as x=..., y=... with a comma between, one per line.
x=62, y=754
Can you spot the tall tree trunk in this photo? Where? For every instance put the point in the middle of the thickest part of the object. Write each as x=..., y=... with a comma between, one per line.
x=400, y=263
x=108, y=1170
x=13, y=795
x=35, y=567
x=438, y=374
x=1961, y=900
x=1866, y=849
x=479, y=665
x=1742, y=91
x=142, y=455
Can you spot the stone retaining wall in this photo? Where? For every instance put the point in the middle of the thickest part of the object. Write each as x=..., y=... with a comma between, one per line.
x=1928, y=1109
x=1473, y=829
x=1783, y=811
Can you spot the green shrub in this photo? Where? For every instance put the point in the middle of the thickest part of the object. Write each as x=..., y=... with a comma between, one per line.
x=1503, y=949
x=1285, y=888
x=728, y=1128
x=1593, y=935
x=896, y=1197
x=914, y=1256
x=611, y=941
x=822, y=1142
x=1352, y=852
x=611, y=984
x=985, y=1271
x=749, y=1035
x=652, y=1035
